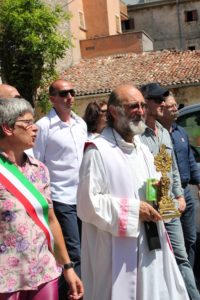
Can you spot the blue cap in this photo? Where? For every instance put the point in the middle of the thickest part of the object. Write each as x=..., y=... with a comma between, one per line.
x=153, y=90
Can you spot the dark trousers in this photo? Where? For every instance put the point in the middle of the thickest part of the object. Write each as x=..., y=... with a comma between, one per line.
x=175, y=233
x=189, y=226
x=197, y=262
x=71, y=228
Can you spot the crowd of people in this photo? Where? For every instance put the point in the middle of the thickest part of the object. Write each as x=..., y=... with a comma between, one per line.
x=75, y=218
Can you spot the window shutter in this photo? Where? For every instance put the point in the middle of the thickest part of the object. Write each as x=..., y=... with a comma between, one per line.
x=195, y=15
x=186, y=16
x=132, y=23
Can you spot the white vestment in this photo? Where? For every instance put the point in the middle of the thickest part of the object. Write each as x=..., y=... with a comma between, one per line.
x=116, y=261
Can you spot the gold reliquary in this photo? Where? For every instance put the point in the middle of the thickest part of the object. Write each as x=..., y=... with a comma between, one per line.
x=165, y=203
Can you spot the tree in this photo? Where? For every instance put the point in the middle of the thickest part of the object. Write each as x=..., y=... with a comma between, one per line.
x=30, y=43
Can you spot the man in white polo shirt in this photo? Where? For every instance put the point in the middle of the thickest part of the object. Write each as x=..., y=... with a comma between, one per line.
x=59, y=144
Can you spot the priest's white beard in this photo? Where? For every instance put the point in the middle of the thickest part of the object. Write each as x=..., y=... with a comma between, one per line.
x=127, y=125
x=139, y=128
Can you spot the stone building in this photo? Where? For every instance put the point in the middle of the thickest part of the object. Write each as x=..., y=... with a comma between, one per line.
x=172, y=24
x=96, y=29
x=110, y=57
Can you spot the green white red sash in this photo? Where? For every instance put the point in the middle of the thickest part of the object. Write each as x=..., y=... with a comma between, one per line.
x=32, y=200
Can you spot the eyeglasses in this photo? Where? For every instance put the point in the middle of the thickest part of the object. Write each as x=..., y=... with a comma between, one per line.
x=28, y=123
x=135, y=105
x=64, y=93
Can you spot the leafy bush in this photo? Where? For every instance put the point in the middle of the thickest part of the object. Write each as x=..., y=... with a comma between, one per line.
x=30, y=44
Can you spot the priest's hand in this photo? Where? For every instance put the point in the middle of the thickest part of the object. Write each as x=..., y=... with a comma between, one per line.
x=148, y=213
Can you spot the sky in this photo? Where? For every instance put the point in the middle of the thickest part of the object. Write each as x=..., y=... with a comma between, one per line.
x=130, y=1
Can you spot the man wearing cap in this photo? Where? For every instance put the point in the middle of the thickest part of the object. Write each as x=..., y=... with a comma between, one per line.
x=189, y=171
x=59, y=144
x=154, y=136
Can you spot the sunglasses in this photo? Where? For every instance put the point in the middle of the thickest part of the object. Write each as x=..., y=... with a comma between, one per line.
x=157, y=100
x=64, y=93
x=135, y=105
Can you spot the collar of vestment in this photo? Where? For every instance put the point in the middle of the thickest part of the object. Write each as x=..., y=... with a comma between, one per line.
x=113, y=136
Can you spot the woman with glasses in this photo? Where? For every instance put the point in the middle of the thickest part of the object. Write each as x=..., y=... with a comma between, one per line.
x=32, y=248
x=96, y=118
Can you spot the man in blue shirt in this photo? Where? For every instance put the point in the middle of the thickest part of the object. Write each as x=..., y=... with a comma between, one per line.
x=188, y=169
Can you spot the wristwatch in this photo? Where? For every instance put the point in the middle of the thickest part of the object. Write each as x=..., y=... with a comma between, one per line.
x=69, y=265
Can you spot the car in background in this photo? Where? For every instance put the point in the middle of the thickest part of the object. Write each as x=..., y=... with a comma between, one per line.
x=189, y=118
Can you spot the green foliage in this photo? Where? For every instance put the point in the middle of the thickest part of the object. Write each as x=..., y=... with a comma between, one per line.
x=43, y=104
x=30, y=43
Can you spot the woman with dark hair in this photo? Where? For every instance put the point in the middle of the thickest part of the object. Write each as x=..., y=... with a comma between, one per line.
x=95, y=118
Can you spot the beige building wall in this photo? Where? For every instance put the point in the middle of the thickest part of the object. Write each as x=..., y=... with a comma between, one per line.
x=160, y=20
x=136, y=42
x=77, y=27
x=67, y=61
x=89, y=19
x=114, y=20
x=102, y=17
x=82, y=102
x=187, y=94
x=96, y=16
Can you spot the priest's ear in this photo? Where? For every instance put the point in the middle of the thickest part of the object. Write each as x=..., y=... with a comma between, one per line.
x=112, y=110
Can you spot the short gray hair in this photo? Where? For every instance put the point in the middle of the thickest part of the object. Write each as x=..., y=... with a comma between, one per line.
x=11, y=109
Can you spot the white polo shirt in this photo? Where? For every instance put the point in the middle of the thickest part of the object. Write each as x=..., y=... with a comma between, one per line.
x=59, y=146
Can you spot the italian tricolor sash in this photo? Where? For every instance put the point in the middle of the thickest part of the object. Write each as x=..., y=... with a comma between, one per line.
x=32, y=200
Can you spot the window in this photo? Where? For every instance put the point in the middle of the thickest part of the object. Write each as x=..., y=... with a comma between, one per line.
x=191, y=48
x=118, y=27
x=90, y=48
x=81, y=20
x=128, y=25
x=191, y=15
